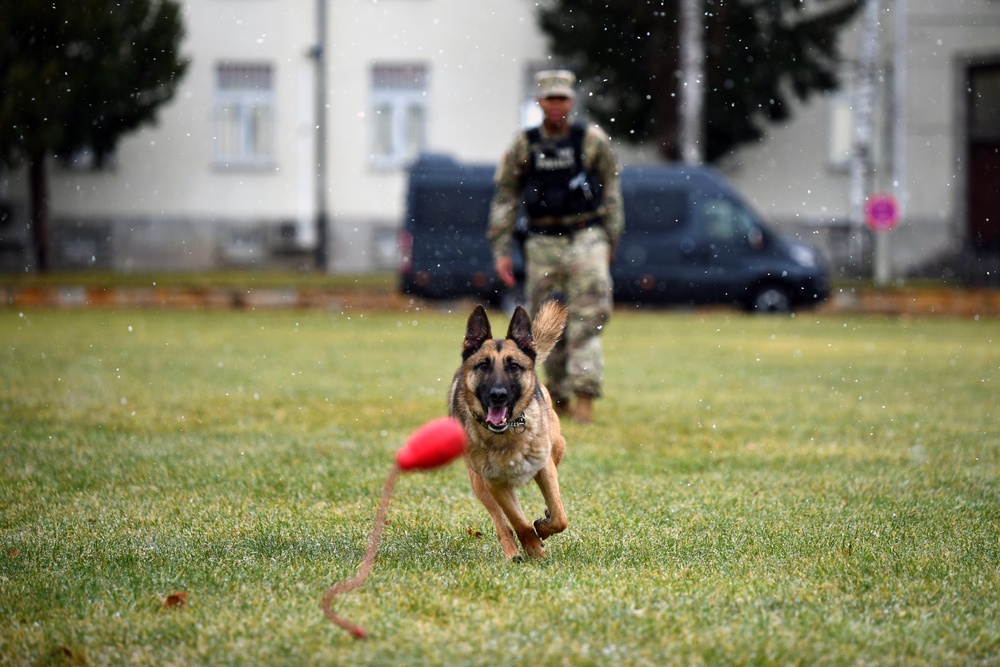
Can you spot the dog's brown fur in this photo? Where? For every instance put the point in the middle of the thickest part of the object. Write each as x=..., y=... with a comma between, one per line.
x=494, y=386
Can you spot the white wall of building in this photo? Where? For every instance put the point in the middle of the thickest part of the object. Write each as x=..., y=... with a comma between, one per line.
x=475, y=53
x=168, y=203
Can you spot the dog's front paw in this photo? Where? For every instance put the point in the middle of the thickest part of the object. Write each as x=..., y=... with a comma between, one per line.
x=532, y=545
x=546, y=527
x=534, y=551
x=540, y=525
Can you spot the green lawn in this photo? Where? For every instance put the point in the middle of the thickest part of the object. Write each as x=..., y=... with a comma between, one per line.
x=815, y=490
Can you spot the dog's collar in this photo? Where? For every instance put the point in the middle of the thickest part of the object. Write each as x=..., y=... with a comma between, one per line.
x=518, y=424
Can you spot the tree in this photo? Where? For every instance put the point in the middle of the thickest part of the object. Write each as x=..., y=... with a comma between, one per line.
x=758, y=55
x=77, y=76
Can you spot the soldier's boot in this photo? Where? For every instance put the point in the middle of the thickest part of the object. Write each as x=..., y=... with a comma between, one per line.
x=584, y=412
x=561, y=406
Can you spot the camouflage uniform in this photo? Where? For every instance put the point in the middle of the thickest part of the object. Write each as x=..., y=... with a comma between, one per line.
x=575, y=263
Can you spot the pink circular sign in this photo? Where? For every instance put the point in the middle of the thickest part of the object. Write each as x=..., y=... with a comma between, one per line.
x=881, y=212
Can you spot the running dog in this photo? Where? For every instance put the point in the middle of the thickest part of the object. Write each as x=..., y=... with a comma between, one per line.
x=513, y=432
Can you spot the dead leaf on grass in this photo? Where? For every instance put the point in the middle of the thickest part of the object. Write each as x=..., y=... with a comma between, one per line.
x=472, y=532
x=65, y=656
x=175, y=600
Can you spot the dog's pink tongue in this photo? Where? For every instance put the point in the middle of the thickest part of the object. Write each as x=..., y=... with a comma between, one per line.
x=496, y=416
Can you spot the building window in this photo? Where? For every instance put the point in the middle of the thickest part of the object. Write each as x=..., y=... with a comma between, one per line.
x=399, y=113
x=243, y=117
x=841, y=137
x=984, y=102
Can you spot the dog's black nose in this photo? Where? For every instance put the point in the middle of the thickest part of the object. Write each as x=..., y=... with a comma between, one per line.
x=498, y=396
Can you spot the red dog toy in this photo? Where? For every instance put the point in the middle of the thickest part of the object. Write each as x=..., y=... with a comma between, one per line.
x=434, y=444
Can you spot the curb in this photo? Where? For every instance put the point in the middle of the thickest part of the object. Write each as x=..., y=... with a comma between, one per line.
x=198, y=298
x=971, y=303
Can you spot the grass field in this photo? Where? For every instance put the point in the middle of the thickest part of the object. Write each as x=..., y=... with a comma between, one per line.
x=821, y=490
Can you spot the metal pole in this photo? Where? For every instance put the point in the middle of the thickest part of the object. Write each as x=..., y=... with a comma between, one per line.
x=322, y=224
x=899, y=103
x=693, y=72
x=861, y=163
x=883, y=273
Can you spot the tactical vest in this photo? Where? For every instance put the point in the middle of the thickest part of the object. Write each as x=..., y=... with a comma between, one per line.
x=555, y=184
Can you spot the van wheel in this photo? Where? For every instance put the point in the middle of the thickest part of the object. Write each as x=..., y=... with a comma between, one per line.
x=770, y=299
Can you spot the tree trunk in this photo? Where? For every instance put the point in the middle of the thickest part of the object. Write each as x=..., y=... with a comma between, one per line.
x=692, y=81
x=39, y=213
x=664, y=59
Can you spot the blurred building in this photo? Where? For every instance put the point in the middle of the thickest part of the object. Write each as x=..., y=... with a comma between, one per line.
x=228, y=178
x=935, y=144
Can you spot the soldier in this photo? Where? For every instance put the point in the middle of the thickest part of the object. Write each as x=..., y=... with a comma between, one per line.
x=567, y=177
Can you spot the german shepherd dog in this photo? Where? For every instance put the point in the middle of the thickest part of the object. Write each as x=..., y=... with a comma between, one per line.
x=513, y=432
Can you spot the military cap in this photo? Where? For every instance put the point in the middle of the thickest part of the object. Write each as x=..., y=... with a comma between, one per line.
x=555, y=83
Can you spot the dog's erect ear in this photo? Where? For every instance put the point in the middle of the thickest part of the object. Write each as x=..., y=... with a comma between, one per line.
x=477, y=332
x=520, y=331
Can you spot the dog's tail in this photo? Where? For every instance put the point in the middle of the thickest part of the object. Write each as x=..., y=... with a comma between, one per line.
x=548, y=325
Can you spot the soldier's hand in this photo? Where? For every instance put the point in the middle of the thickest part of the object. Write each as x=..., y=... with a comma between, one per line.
x=505, y=269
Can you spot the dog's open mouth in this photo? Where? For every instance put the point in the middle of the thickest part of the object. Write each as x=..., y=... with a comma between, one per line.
x=497, y=415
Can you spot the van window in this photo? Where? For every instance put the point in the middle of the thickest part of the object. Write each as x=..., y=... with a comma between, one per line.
x=725, y=221
x=647, y=209
x=444, y=210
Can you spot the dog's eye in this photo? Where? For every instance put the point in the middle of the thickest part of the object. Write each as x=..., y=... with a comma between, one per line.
x=483, y=366
x=514, y=367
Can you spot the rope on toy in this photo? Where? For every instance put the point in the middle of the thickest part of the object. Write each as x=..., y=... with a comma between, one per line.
x=434, y=444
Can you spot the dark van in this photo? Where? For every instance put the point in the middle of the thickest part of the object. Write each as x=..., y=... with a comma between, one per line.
x=689, y=239
x=443, y=248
